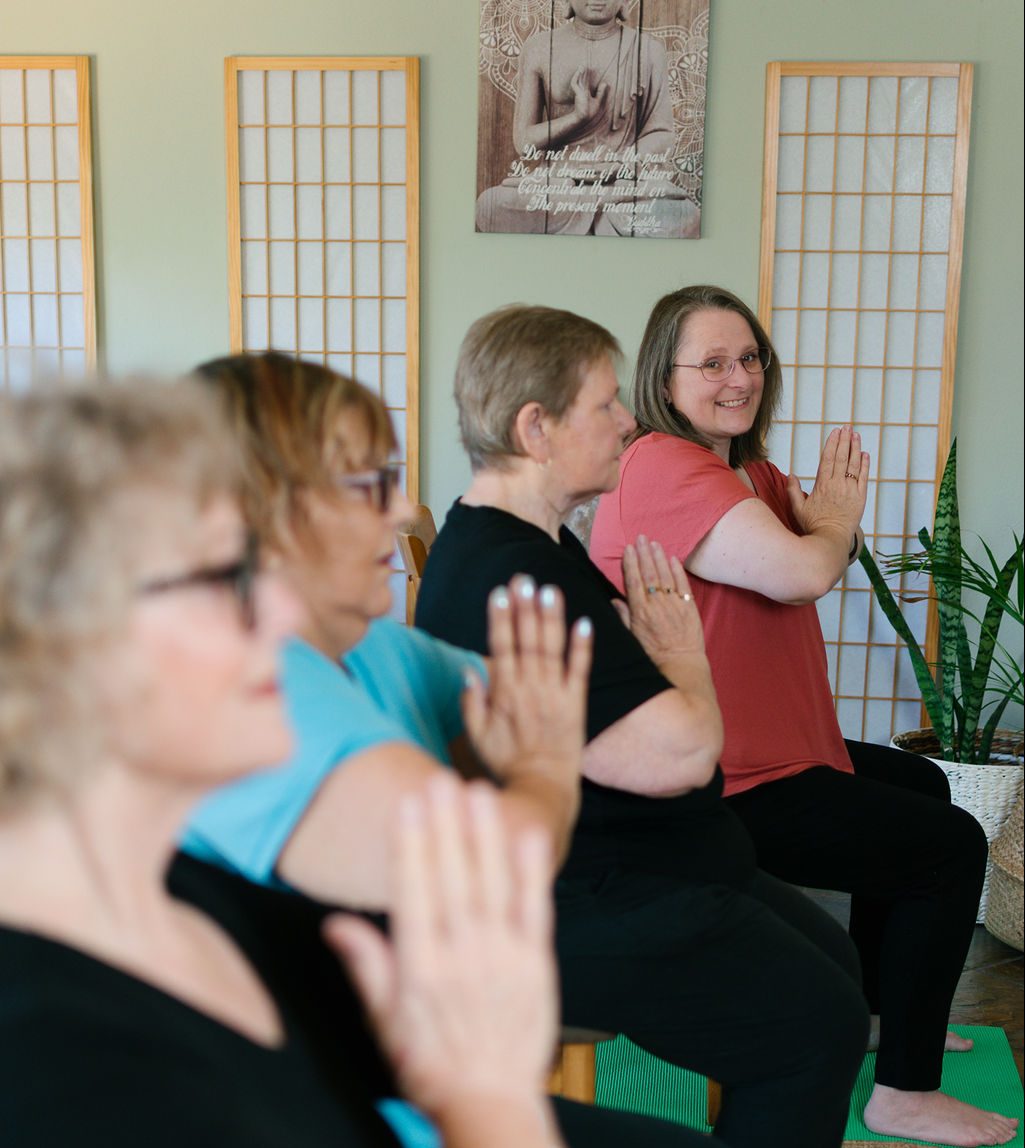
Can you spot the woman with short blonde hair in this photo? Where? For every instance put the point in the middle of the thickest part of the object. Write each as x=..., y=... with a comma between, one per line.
x=659, y=906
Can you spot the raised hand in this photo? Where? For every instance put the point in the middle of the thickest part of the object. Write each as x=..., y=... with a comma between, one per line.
x=589, y=108
x=463, y=999
x=532, y=714
x=659, y=606
x=841, y=486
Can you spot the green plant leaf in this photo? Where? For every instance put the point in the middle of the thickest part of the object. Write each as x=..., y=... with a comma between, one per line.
x=958, y=689
x=888, y=604
x=985, y=747
x=988, y=632
x=946, y=545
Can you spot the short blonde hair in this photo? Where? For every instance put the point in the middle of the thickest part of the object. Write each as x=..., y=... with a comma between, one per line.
x=87, y=477
x=286, y=414
x=519, y=355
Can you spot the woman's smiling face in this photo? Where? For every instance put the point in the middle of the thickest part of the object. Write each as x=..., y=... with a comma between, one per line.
x=723, y=410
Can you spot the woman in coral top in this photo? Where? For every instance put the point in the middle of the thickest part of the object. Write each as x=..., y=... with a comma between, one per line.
x=823, y=812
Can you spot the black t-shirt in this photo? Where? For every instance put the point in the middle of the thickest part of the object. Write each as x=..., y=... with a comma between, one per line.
x=481, y=547
x=94, y=1057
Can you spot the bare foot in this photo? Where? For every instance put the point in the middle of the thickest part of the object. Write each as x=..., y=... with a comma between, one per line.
x=935, y=1116
x=951, y=1043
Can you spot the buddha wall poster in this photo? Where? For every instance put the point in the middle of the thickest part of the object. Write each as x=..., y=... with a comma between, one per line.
x=590, y=117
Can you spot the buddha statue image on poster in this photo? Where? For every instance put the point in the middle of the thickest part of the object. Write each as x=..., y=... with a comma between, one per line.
x=591, y=117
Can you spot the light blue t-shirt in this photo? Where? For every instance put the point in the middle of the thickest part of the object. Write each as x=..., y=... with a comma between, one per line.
x=397, y=685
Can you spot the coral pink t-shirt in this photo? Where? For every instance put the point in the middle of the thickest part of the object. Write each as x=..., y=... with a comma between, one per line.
x=768, y=659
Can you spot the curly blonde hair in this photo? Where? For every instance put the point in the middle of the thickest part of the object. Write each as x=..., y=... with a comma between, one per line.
x=89, y=478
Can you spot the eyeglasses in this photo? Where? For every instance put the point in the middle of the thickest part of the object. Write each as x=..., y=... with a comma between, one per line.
x=239, y=577
x=377, y=486
x=720, y=367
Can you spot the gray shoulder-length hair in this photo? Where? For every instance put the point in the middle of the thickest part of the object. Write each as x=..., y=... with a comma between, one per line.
x=518, y=355
x=90, y=478
x=652, y=405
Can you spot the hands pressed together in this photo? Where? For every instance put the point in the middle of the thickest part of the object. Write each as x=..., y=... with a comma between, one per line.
x=659, y=607
x=532, y=713
x=463, y=997
x=837, y=499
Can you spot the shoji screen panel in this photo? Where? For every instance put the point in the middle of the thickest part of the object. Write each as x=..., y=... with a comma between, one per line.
x=47, y=283
x=323, y=220
x=862, y=227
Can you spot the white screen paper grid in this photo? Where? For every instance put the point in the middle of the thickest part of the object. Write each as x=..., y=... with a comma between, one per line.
x=323, y=195
x=47, y=310
x=861, y=256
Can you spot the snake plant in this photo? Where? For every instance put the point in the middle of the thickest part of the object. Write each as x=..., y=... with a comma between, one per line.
x=957, y=688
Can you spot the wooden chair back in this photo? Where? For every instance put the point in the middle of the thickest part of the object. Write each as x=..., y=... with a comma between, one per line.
x=415, y=540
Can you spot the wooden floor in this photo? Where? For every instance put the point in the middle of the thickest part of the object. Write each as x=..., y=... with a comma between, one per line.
x=990, y=989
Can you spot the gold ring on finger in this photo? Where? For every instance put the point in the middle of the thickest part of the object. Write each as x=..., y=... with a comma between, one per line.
x=847, y=474
x=653, y=589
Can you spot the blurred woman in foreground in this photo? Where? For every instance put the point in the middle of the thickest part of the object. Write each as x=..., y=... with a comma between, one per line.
x=152, y=999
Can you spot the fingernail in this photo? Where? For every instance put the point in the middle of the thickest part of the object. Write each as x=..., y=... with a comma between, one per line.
x=526, y=588
x=500, y=597
x=469, y=678
x=585, y=627
x=548, y=597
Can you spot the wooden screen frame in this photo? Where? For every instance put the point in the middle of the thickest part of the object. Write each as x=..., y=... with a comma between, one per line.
x=963, y=73
x=410, y=65
x=80, y=66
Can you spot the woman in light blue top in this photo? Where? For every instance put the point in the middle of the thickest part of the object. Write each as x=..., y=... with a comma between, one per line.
x=379, y=710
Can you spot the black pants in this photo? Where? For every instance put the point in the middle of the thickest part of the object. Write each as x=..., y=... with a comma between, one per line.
x=749, y=983
x=914, y=865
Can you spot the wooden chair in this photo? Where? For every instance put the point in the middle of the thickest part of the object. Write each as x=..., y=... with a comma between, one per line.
x=714, y=1101
x=415, y=540
x=573, y=1072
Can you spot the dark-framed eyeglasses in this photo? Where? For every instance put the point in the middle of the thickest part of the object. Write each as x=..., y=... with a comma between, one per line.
x=720, y=367
x=377, y=486
x=238, y=576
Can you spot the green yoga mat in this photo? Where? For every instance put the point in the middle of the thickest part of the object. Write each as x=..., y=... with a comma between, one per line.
x=627, y=1077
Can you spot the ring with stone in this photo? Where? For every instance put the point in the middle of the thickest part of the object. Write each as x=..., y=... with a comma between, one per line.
x=685, y=597
x=652, y=589
x=847, y=474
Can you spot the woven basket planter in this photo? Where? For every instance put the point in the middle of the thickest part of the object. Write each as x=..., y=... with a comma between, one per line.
x=1006, y=901
x=988, y=792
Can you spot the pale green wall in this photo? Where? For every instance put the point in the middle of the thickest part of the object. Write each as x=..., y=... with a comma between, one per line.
x=160, y=190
